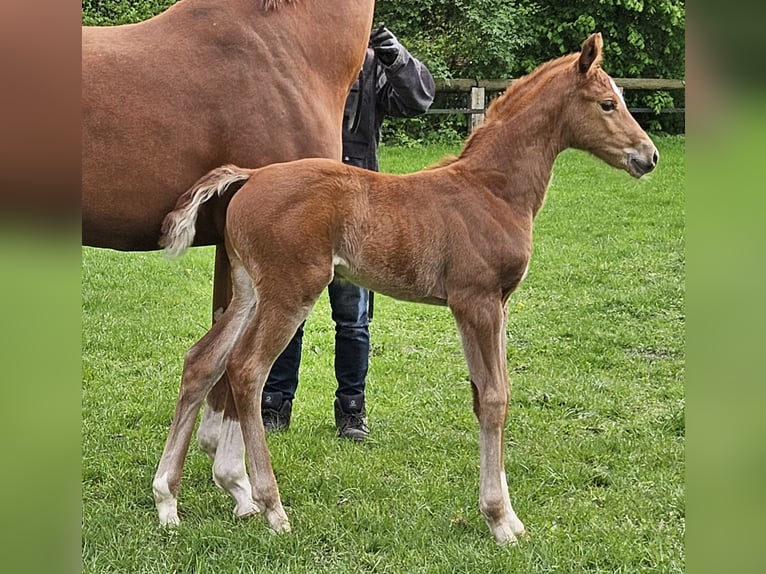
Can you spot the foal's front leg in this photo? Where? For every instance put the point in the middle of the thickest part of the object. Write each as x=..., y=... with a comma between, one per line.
x=285, y=297
x=482, y=330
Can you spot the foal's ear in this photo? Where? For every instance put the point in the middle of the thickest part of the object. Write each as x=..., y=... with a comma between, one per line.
x=590, y=53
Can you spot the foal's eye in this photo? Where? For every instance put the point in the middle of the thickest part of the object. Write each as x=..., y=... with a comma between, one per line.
x=608, y=106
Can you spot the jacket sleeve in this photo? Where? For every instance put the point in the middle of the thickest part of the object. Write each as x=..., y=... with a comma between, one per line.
x=405, y=88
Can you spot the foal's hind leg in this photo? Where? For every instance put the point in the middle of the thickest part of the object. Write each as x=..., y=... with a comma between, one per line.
x=482, y=330
x=215, y=402
x=282, y=306
x=229, y=472
x=203, y=366
x=219, y=435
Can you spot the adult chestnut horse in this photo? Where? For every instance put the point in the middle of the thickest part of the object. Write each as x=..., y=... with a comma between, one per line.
x=209, y=82
x=459, y=235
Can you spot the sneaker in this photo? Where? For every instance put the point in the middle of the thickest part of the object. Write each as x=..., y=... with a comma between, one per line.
x=275, y=412
x=351, y=417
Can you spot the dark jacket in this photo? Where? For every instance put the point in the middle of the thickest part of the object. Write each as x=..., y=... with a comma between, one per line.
x=403, y=89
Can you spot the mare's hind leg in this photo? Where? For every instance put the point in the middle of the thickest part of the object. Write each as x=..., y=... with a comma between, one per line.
x=482, y=330
x=203, y=366
x=283, y=304
x=219, y=435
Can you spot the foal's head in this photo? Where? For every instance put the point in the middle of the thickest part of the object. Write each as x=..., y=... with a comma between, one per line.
x=598, y=120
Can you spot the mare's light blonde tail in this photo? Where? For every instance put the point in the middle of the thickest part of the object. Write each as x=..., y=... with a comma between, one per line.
x=179, y=226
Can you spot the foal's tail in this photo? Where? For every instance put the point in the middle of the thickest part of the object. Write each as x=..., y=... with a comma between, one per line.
x=178, y=227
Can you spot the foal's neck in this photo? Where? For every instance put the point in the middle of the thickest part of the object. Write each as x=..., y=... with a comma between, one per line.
x=514, y=152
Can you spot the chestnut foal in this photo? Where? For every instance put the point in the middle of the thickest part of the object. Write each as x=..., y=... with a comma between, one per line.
x=459, y=234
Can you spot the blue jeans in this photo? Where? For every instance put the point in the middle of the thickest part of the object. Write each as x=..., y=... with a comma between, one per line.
x=352, y=345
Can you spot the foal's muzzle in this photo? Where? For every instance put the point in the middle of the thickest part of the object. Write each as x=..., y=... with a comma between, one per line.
x=643, y=159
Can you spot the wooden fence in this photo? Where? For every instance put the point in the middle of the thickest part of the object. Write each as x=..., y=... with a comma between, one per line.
x=478, y=89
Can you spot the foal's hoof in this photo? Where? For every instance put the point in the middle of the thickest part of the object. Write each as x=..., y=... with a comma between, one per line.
x=246, y=510
x=167, y=511
x=169, y=519
x=505, y=535
x=278, y=521
x=165, y=502
x=506, y=538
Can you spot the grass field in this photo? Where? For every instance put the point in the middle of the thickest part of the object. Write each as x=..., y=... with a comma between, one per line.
x=595, y=433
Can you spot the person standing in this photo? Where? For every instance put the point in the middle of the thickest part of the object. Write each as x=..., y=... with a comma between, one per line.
x=395, y=83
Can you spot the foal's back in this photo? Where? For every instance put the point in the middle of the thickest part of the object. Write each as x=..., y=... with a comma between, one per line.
x=411, y=236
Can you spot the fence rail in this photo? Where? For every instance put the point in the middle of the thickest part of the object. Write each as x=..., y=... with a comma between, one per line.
x=477, y=89
x=465, y=84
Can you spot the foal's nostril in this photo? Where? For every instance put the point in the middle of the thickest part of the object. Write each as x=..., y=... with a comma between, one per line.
x=642, y=162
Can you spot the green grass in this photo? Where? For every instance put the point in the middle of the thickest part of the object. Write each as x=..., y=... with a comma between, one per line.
x=595, y=433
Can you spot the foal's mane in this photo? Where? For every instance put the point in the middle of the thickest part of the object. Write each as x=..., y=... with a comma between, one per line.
x=527, y=87
x=520, y=93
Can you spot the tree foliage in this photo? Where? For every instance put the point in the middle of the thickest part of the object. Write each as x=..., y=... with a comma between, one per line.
x=502, y=38
x=461, y=38
x=112, y=12
x=642, y=38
